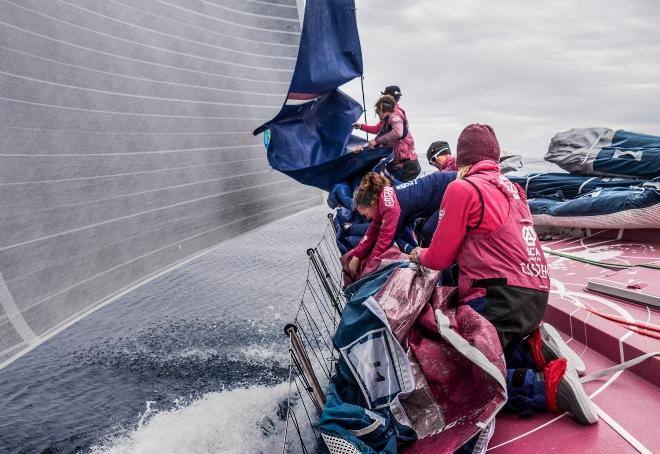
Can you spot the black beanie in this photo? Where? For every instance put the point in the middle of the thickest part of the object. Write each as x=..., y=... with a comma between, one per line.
x=440, y=146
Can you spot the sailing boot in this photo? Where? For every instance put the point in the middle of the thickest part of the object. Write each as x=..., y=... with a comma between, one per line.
x=564, y=392
x=547, y=345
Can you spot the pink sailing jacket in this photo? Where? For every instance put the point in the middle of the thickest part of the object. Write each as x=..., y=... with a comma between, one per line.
x=499, y=247
x=510, y=255
x=394, y=132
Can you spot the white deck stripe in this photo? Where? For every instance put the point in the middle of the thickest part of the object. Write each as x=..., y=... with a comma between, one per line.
x=561, y=290
x=14, y=314
x=621, y=341
x=527, y=433
x=594, y=394
x=121, y=293
x=634, y=442
x=145, y=62
x=585, y=246
x=570, y=323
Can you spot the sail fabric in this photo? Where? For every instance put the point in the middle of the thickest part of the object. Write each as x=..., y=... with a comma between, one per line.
x=310, y=138
x=607, y=152
x=114, y=169
x=383, y=395
x=567, y=186
x=618, y=208
x=329, y=54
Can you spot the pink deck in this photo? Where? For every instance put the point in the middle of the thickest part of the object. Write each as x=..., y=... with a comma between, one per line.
x=639, y=284
x=629, y=401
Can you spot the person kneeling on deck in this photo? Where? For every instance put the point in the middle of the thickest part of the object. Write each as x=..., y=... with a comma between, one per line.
x=392, y=210
x=486, y=228
x=394, y=132
x=439, y=156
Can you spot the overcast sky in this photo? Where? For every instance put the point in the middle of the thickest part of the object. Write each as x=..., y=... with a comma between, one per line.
x=529, y=69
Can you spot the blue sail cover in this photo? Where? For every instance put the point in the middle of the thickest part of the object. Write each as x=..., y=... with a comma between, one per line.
x=310, y=138
x=567, y=186
x=604, y=151
x=632, y=208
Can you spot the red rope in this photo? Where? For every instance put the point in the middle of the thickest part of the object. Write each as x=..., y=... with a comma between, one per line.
x=645, y=328
x=645, y=332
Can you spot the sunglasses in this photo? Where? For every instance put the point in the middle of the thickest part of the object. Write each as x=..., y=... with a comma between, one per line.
x=434, y=157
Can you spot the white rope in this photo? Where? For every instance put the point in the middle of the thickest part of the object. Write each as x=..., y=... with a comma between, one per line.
x=618, y=367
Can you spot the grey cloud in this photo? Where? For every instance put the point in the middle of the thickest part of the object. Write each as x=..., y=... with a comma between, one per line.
x=528, y=68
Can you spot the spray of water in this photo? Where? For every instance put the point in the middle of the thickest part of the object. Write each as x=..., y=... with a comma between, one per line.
x=242, y=421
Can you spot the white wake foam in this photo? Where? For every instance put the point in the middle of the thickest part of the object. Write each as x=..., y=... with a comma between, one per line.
x=220, y=422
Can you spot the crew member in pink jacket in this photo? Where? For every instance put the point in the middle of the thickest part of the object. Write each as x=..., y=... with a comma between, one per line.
x=486, y=228
x=393, y=131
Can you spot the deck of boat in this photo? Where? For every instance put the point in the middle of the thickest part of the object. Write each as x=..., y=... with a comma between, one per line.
x=628, y=401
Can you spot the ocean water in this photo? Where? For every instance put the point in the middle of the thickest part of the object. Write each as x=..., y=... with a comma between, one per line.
x=192, y=362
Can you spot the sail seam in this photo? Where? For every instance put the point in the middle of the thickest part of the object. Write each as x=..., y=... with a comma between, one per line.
x=146, y=62
x=14, y=314
x=148, y=46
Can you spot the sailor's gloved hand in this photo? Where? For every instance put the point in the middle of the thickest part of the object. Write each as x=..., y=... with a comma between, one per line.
x=357, y=125
x=354, y=265
x=357, y=149
x=414, y=255
x=372, y=143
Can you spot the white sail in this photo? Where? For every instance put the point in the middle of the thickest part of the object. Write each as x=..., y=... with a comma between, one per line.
x=126, y=145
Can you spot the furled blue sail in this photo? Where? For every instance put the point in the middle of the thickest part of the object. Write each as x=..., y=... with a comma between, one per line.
x=310, y=138
x=612, y=208
x=607, y=152
x=567, y=186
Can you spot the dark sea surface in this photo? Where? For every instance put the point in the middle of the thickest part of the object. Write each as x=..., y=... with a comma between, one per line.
x=190, y=362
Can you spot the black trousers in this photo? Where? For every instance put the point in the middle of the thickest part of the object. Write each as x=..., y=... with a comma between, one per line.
x=514, y=311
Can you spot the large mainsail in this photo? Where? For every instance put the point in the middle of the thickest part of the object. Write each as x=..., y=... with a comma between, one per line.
x=125, y=145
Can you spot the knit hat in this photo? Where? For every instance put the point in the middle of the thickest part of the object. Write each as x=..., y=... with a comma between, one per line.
x=477, y=143
x=392, y=90
x=438, y=148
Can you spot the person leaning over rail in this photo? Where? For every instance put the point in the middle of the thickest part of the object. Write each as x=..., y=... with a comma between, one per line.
x=393, y=210
x=486, y=228
x=394, y=132
x=439, y=156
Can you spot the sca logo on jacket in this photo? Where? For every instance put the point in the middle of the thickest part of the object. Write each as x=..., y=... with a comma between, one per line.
x=529, y=235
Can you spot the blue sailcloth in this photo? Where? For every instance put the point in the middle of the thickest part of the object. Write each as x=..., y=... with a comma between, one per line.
x=311, y=137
